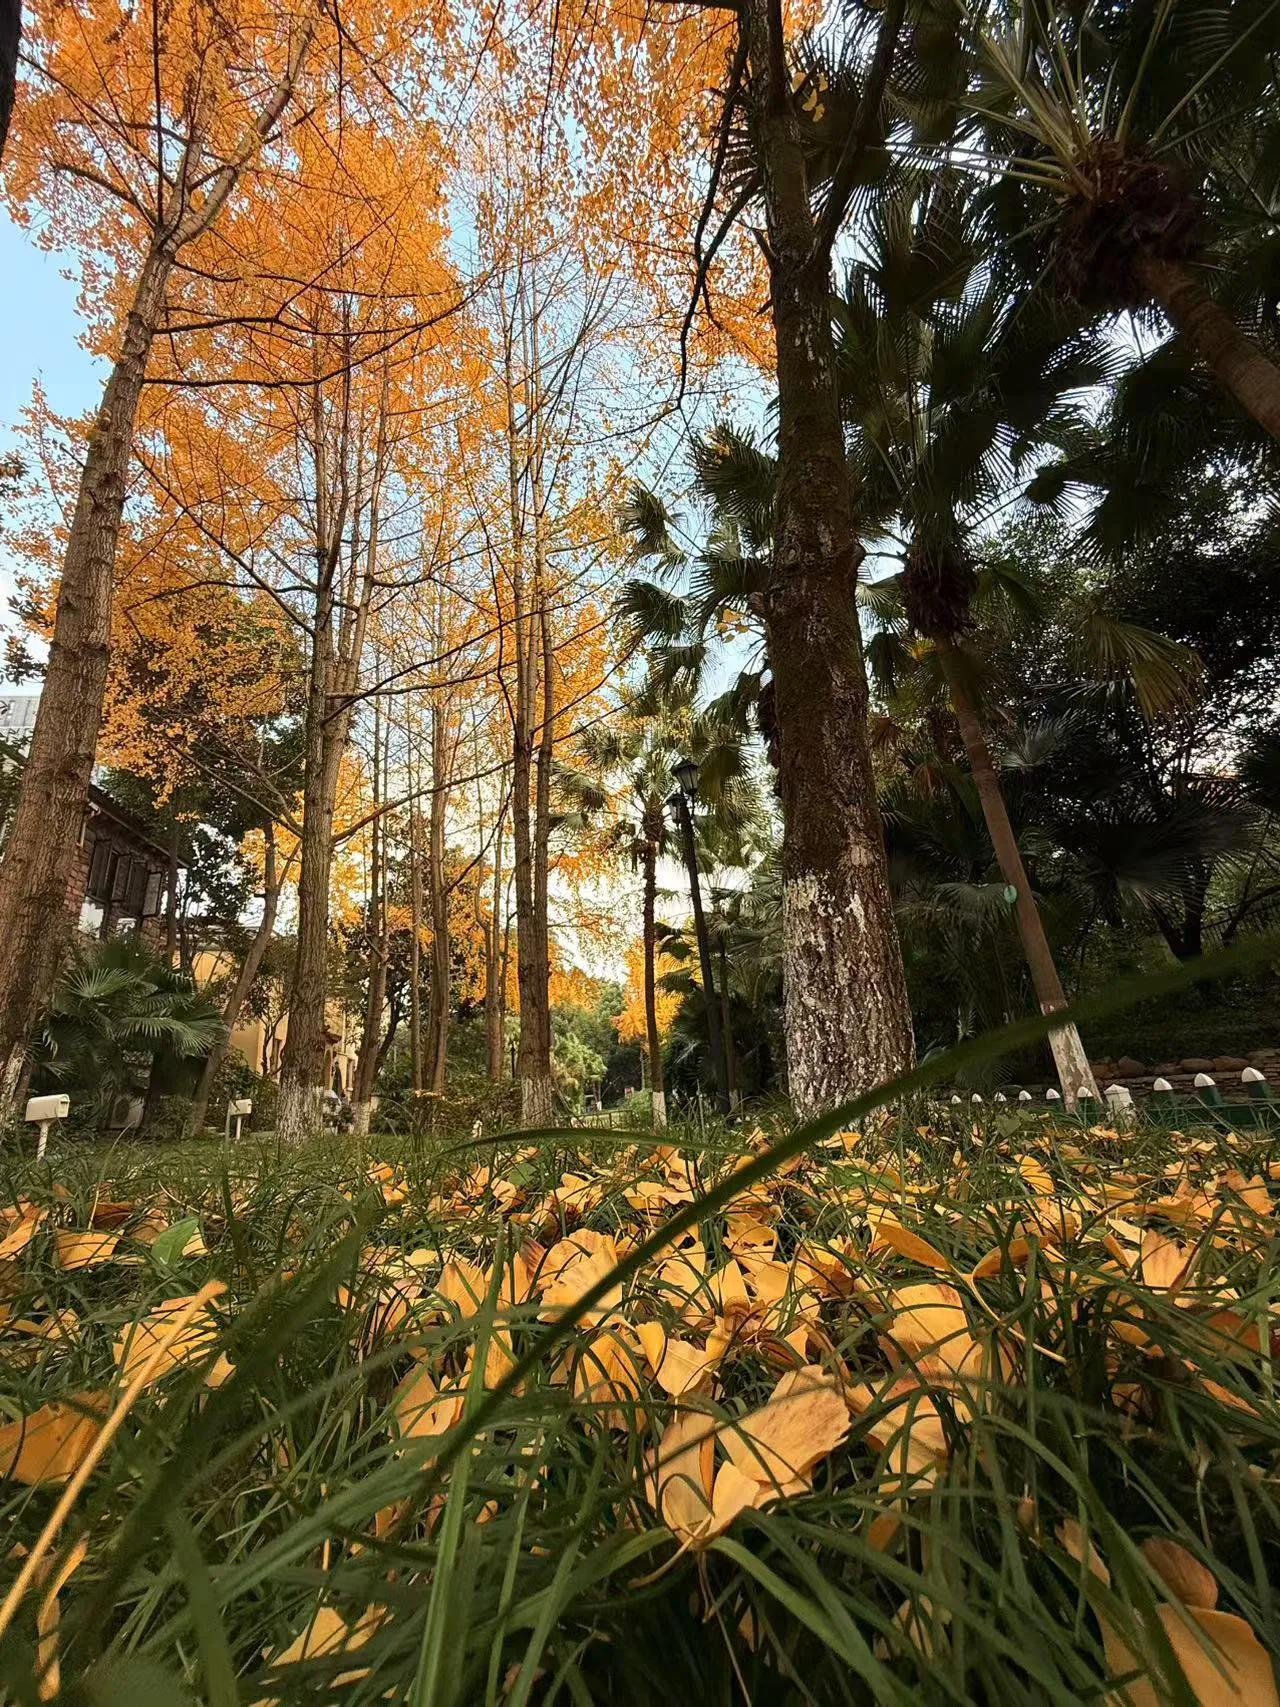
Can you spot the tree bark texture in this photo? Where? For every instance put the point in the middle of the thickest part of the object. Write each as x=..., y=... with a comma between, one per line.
x=848, y=1023
x=495, y=967
x=437, y=889
x=529, y=781
x=369, y=1052
x=1251, y=377
x=45, y=834
x=1072, y=1063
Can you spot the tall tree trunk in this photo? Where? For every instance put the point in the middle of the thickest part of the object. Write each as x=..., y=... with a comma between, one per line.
x=1074, y=1072
x=848, y=1024
x=1251, y=377
x=726, y=1032
x=337, y=648
x=415, y=955
x=35, y=872
x=239, y=992
x=437, y=890
x=10, y=37
x=494, y=970
x=302, y=1065
x=656, y=1084
x=710, y=1000
x=367, y=1056
x=171, y=906
x=532, y=969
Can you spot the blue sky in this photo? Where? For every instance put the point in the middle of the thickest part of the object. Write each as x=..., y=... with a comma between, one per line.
x=42, y=329
x=41, y=342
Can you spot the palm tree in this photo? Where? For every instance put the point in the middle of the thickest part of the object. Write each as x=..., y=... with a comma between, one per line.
x=628, y=767
x=123, y=1021
x=954, y=381
x=1139, y=145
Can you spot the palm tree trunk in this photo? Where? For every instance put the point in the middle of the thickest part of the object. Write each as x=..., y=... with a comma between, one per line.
x=38, y=858
x=656, y=1086
x=239, y=993
x=1249, y=375
x=726, y=1032
x=1074, y=1072
x=848, y=1023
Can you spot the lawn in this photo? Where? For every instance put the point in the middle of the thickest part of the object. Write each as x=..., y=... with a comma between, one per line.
x=937, y=1412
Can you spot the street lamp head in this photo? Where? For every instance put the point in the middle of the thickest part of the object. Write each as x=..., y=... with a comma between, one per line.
x=685, y=772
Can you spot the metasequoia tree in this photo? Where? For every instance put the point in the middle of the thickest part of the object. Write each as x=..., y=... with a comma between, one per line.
x=550, y=320
x=291, y=454
x=134, y=132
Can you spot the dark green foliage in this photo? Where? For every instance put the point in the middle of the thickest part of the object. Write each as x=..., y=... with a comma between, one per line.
x=122, y=1022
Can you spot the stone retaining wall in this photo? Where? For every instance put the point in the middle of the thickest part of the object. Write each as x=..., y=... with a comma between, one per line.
x=1137, y=1077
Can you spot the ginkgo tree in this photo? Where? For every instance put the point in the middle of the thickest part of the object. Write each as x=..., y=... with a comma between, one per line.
x=133, y=135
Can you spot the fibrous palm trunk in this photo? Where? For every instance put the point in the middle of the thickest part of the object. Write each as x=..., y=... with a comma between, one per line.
x=1074, y=1072
x=1233, y=357
x=653, y=1039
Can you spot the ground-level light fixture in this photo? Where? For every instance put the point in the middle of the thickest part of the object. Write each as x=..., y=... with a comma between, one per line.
x=237, y=1108
x=42, y=1112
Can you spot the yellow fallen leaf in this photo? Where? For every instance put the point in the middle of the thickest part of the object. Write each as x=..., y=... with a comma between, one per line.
x=679, y=1365
x=1223, y=1661
x=421, y=1410
x=890, y=1234
x=176, y=1346
x=572, y=1267
x=20, y=1225
x=84, y=1250
x=803, y=1420
x=680, y=1474
x=929, y=1329
x=1181, y=1572
x=1016, y=1254
x=606, y=1376
x=907, y=1426
x=51, y=1443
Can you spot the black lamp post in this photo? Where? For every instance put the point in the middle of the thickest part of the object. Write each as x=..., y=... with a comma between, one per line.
x=685, y=772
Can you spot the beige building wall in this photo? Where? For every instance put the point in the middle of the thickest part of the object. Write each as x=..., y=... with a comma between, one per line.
x=260, y=1043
